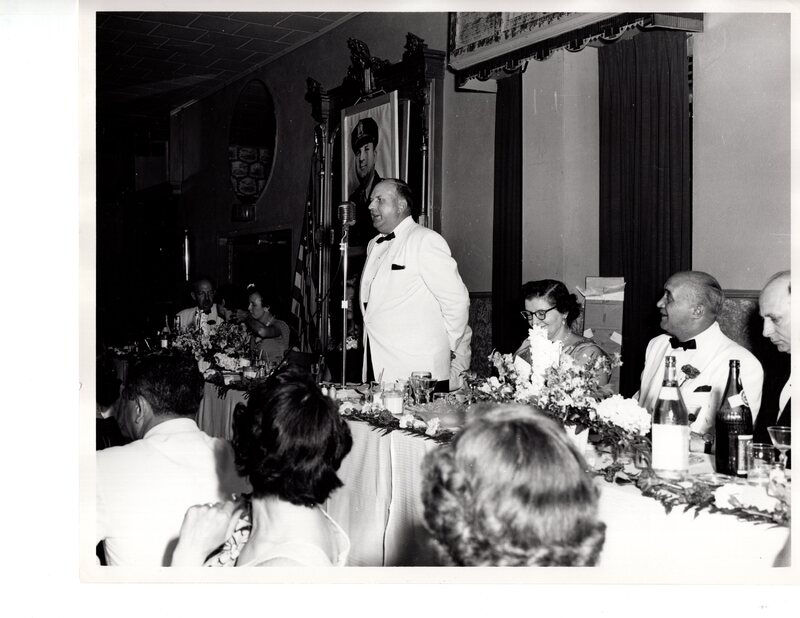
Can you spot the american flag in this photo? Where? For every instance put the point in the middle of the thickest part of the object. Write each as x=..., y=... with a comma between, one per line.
x=304, y=291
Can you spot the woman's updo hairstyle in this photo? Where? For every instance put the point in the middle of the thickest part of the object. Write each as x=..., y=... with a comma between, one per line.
x=556, y=293
x=512, y=489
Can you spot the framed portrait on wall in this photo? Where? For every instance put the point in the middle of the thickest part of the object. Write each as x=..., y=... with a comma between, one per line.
x=370, y=152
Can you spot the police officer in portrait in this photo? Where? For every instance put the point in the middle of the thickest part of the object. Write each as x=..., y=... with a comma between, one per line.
x=364, y=142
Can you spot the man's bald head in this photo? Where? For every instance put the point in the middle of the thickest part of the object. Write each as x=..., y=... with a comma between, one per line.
x=691, y=302
x=775, y=307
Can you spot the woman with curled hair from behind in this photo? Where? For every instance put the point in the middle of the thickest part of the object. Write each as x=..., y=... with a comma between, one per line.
x=511, y=489
x=289, y=441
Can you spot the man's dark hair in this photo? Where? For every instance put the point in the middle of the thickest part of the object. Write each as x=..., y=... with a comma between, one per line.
x=170, y=382
x=404, y=193
x=289, y=440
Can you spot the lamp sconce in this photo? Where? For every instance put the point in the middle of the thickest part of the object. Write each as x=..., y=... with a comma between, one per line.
x=243, y=212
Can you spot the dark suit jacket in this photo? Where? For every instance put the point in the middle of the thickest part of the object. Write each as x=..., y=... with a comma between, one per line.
x=363, y=231
x=769, y=414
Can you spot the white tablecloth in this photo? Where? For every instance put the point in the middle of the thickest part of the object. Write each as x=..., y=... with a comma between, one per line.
x=380, y=508
x=215, y=415
x=382, y=495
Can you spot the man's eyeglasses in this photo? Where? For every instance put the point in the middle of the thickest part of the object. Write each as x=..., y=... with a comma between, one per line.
x=541, y=314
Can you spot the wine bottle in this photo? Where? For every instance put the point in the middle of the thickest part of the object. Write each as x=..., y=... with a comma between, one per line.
x=733, y=419
x=165, y=333
x=670, y=427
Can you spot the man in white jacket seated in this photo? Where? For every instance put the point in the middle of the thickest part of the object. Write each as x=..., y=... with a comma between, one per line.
x=689, y=308
x=144, y=488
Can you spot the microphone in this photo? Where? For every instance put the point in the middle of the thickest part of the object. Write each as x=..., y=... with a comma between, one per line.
x=347, y=213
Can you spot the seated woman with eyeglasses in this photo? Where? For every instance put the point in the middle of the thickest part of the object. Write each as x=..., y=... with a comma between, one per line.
x=270, y=335
x=511, y=489
x=548, y=303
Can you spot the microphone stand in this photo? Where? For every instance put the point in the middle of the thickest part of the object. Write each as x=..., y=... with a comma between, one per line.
x=343, y=247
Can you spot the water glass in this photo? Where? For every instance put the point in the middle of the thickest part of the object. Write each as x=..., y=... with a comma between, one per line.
x=416, y=376
x=760, y=458
x=393, y=401
x=374, y=394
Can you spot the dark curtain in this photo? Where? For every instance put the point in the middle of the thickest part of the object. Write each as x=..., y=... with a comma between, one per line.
x=645, y=179
x=507, y=230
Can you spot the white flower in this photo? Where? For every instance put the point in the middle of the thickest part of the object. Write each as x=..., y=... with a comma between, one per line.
x=407, y=420
x=433, y=426
x=345, y=408
x=624, y=413
x=544, y=353
x=419, y=424
x=735, y=495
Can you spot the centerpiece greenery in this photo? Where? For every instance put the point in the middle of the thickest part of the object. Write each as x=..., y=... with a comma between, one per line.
x=218, y=348
x=571, y=394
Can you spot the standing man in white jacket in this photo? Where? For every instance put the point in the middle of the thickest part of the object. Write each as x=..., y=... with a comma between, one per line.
x=414, y=302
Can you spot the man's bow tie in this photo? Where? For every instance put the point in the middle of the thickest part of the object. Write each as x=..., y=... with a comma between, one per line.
x=389, y=236
x=686, y=345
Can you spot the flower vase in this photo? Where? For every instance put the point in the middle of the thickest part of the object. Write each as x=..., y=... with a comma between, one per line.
x=580, y=440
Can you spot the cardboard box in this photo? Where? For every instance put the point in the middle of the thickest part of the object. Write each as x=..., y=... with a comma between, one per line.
x=602, y=314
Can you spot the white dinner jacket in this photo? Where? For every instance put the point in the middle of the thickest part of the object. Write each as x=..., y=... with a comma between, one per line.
x=418, y=306
x=711, y=358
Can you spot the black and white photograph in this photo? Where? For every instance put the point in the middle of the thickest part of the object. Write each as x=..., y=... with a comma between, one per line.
x=374, y=296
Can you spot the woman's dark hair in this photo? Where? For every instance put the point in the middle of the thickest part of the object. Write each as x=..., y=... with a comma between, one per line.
x=554, y=292
x=231, y=296
x=512, y=489
x=170, y=382
x=290, y=440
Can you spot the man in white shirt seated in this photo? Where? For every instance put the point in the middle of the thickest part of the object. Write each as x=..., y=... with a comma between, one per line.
x=144, y=488
x=206, y=309
x=689, y=308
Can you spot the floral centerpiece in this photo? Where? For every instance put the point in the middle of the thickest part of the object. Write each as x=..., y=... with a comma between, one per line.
x=568, y=392
x=221, y=347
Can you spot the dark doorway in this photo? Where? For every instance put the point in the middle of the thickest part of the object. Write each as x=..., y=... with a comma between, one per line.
x=264, y=259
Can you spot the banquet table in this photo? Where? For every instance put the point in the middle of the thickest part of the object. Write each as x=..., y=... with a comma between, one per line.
x=381, y=510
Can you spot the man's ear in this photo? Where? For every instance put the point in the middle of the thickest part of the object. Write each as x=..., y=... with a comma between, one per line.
x=698, y=311
x=142, y=411
x=194, y=296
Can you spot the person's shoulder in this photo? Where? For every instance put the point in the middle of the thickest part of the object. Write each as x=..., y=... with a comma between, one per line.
x=658, y=340
x=588, y=346
x=425, y=236
x=116, y=458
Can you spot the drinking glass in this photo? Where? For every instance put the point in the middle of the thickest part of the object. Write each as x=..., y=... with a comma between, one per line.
x=415, y=384
x=393, y=401
x=782, y=439
x=760, y=458
x=374, y=394
x=426, y=386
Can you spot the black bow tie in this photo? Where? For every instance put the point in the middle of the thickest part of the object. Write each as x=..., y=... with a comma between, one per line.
x=389, y=236
x=686, y=345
